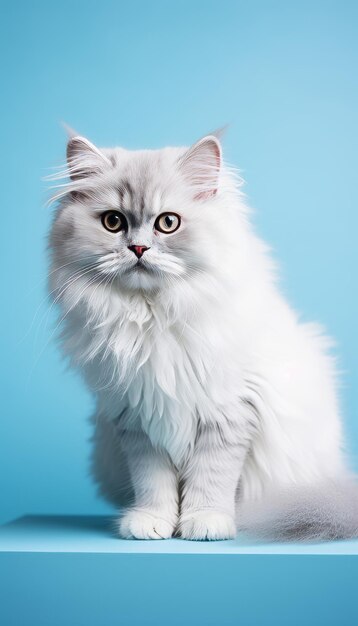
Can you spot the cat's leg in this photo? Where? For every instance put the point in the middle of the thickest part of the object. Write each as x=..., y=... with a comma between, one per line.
x=154, y=513
x=209, y=483
x=109, y=464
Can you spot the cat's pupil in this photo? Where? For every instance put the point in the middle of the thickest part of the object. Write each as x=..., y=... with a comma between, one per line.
x=113, y=220
x=169, y=221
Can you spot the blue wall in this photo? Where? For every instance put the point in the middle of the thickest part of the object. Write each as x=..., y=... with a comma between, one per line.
x=146, y=74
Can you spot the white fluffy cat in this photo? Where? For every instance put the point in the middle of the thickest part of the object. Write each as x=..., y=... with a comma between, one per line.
x=216, y=408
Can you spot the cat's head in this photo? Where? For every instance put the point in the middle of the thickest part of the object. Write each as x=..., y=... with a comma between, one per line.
x=141, y=219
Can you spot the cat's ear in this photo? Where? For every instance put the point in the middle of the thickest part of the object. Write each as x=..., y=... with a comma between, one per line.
x=84, y=158
x=201, y=166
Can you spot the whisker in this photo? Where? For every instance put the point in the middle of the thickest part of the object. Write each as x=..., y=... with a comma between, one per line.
x=75, y=276
x=87, y=285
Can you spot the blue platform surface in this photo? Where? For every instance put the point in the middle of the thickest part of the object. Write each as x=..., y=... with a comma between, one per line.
x=96, y=534
x=74, y=571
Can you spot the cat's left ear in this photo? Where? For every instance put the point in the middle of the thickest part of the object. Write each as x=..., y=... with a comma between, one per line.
x=84, y=158
x=201, y=166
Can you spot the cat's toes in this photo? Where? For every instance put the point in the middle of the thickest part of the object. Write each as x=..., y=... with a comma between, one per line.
x=144, y=525
x=207, y=525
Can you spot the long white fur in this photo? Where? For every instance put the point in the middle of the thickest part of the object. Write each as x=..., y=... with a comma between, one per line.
x=211, y=394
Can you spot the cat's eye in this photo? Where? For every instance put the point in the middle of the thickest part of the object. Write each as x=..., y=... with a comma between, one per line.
x=167, y=222
x=113, y=221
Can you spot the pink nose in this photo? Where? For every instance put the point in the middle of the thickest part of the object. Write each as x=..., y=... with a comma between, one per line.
x=138, y=250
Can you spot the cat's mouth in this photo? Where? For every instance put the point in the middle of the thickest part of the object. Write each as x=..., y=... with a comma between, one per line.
x=139, y=266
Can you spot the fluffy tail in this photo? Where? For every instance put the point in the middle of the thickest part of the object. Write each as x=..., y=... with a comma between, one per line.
x=324, y=512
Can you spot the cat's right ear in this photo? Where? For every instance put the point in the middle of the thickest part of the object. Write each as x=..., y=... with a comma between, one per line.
x=84, y=158
x=201, y=166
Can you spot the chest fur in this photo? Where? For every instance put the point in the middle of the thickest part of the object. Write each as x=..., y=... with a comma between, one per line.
x=165, y=390
x=162, y=372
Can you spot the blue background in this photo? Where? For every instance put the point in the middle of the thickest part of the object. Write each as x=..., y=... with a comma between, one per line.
x=147, y=74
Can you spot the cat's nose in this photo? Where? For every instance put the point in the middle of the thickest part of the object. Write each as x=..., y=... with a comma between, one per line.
x=138, y=250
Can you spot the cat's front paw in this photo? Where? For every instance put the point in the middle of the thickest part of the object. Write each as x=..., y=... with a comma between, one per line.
x=144, y=525
x=206, y=525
